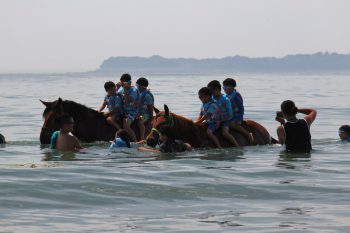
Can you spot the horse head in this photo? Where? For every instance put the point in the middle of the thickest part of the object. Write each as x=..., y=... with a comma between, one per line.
x=52, y=111
x=160, y=119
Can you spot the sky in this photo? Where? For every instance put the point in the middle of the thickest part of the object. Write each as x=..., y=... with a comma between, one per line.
x=39, y=36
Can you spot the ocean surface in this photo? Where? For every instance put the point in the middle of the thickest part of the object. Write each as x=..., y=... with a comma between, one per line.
x=251, y=189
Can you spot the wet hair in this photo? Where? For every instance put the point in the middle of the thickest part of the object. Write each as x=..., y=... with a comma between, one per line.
x=109, y=85
x=142, y=82
x=124, y=136
x=229, y=82
x=206, y=91
x=215, y=84
x=288, y=108
x=345, y=128
x=167, y=131
x=64, y=119
x=125, y=77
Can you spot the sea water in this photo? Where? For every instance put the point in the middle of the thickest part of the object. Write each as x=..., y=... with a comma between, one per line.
x=251, y=189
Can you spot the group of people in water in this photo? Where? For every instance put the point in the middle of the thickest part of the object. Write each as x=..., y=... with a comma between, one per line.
x=220, y=111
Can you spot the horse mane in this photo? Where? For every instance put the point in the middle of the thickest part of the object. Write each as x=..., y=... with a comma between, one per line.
x=75, y=108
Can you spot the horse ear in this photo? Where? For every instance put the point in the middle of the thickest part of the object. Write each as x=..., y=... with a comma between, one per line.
x=58, y=104
x=166, y=109
x=156, y=110
x=47, y=104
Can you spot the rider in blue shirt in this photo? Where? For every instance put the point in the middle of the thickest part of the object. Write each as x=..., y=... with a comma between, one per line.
x=130, y=97
x=237, y=107
x=225, y=111
x=344, y=133
x=146, y=103
x=209, y=114
x=113, y=102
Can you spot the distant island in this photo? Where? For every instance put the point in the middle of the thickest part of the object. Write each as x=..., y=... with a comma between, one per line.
x=318, y=62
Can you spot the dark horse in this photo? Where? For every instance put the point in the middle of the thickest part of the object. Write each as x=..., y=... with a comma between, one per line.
x=90, y=125
x=187, y=131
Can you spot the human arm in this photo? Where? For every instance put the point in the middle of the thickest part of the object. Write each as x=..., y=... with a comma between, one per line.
x=188, y=146
x=104, y=104
x=281, y=133
x=203, y=118
x=148, y=150
x=77, y=145
x=310, y=114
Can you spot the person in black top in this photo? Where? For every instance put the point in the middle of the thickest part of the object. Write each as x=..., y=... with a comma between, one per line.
x=2, y=139
x=169, y=143
x=294, y=133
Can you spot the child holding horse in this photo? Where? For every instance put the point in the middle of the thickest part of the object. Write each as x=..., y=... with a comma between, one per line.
x=146, y=103
x=169, y=143
x=63, y=139
x=113, y=102
x=209, y=114
x=130, y=97
x=225, y=111
x=236, y=99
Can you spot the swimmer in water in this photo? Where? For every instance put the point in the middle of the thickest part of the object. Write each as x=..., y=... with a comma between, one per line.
x=63, y=139
x=344, y=133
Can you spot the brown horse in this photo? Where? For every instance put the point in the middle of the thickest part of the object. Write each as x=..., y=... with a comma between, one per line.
x=187, y=131
x=90, y=125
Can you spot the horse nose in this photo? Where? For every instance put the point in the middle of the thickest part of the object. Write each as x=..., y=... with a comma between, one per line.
x=151, y=142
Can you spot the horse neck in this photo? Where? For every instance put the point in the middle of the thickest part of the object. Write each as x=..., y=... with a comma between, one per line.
x=186, y=130
x=86, y=119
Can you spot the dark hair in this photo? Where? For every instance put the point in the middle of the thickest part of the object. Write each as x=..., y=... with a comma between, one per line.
x=215, y=84
x=229, y=82
x=205, y=91
x=288, y=108
x=142, y=82
x=109, y=85
x=167, y=131
x=345, y=128
x=125, y=77
x=124, y=136
x=64, y=119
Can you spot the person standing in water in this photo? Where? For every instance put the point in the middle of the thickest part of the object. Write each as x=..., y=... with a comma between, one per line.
x=344, y=133
x=63, y=139
x=294, y=133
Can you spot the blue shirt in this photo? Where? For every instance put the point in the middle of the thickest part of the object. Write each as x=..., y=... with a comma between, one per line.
x=115, y=103
x=118, y=142
x=54, y=137
x=210, y=107
x=146, y=99
x=237, y=105
x=225, y=108
x=130, y=107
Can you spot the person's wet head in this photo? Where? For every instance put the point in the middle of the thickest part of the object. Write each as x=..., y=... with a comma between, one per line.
x=66, y=123
x=229, y=85
x=110, y=88
x=215, y=87
x=289, y=109
x=123, y=135
x=344, y=132
x=204, y=94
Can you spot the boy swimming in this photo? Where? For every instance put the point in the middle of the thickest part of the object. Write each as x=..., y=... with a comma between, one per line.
x=121, y=139
x=344, y=133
